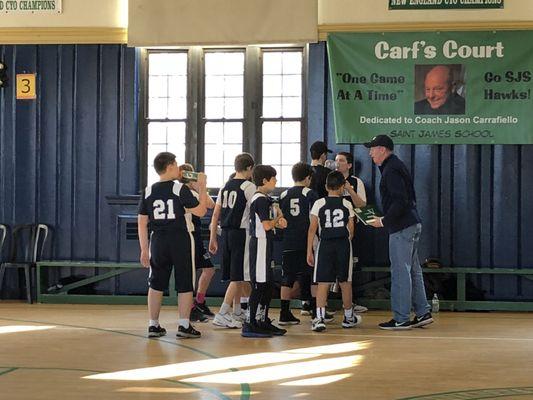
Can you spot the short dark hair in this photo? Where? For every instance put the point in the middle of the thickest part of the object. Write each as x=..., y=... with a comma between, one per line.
x=243, y=161
x=300, y=171
x=335, y=180
x=162, y=161
x=317, y=149
x=349, y=156
x=262, y=172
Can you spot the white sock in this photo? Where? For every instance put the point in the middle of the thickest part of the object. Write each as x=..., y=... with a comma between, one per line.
x=183, y=322
x=224, y=308
x=348, y=312
x=237, y=308
x=153, y=322
x=244, y=300
x=320, y=312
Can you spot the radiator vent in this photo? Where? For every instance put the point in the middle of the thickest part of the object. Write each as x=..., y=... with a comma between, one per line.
x=131, y=231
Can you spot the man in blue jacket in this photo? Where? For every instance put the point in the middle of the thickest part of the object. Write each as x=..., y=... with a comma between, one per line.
x=404, y=225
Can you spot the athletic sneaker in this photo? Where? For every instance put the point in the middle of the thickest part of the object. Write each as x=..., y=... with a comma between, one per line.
x=187, y=333
x=288, y=319
x=307, y=309
x=318, y=325
x=328, y=317
x=273, y=329
x=241, y=317
x=393, y=325
x=359, y=308
x=419, y=322
x=351, y=322
x=156, y=331
x=197, y=315
x=253, y=330
x=226, y=321
x=202, y=307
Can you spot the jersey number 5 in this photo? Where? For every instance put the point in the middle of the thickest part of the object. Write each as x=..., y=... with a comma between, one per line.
x=338, y=216
x=295, y=207
x=161, y=213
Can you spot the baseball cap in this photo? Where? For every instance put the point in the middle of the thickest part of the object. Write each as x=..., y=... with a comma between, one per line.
x=381, y=140
x=319, y=148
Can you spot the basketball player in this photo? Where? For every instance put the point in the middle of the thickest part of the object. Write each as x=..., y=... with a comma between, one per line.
x=163, y=206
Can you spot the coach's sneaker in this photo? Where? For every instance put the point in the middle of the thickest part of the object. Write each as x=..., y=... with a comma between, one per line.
x=288, y=319
x=253, y=330
x=156, y=331
x=318, y=325
x=419, y=322
x=273, y=329
x=351, y=322
x=202, y=307
x=197, y=315
x=393, y=325
x=226, y=321
x=359, y=309
x=187, y=333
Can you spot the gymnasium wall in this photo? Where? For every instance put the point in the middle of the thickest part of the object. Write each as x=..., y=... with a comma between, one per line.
x=65, y=157
x=70, y=159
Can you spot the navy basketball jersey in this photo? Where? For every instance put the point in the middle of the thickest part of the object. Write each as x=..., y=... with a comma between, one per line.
x=165, y=204
x=194, y=219
x=295, y=204
x=333, y=214
x=318, y=180
x=260, y=210
x=357, y=185
x=234, y=200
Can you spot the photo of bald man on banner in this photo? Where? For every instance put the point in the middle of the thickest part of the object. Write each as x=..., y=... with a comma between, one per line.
x=439, y=89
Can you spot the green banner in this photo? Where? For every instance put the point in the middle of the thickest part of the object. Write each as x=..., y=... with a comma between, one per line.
x=443, y=4
x=424, y=87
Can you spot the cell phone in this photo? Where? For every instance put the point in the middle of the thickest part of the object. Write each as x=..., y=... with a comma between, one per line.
x=189, y=176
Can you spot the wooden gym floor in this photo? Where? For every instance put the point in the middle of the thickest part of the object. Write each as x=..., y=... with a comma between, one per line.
x=101, y=352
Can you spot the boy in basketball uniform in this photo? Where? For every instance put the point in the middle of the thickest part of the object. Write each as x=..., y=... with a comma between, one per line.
x=355, y=193
x=295, y=204
x=264, y=219
x=163, y=206
x=200, y=311
x=233, y=210
x=333, y=217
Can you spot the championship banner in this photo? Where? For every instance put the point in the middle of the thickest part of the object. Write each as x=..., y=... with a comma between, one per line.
x=443, y=4
x=433, y=88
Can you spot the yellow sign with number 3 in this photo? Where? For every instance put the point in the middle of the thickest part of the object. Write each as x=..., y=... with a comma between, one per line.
x=26, y=87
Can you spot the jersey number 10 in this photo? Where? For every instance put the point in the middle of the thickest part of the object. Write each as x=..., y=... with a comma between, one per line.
x=229, y=199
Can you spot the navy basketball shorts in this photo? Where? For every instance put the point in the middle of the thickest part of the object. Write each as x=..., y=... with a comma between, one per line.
x=333, y=260
x=261, y=260
x=235, y=260
x=293, y=265
x=202, y=256
x=168, y=250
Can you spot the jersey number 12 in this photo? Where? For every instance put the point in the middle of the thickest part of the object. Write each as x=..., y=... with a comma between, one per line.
x=338, y=216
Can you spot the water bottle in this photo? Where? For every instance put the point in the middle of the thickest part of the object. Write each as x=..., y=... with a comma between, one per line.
x=435, y=306
x=331, y=164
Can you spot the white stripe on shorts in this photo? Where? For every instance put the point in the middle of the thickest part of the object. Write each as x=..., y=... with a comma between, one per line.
x=350, y=264
x=246, y=261
x=316, y=260
x=260, y=260
x=193, y=259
